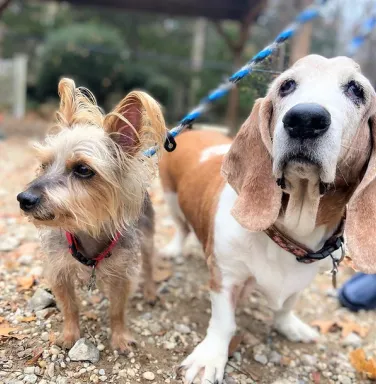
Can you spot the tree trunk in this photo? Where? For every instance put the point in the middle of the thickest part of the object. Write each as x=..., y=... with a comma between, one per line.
x=301, y=43
x=233, y=100
x=197, y=58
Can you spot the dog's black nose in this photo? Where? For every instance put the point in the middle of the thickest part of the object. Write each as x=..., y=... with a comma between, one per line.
x=28, y=200
x=306, y=121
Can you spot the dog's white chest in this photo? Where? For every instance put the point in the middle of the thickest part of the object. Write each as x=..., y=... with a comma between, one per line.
x=242, y=254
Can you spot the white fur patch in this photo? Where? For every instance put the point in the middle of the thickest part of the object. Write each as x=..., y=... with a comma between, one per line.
x=209, y=152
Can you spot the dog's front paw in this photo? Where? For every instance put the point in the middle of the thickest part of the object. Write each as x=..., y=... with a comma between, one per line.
x=150, y=294
x=68, y=338
x=172, y=250
x=122, y=342
x=210, y=358
x=295, y=329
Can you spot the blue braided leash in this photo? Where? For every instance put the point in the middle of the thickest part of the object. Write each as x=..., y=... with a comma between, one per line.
x=365, y=30
x=223, y=89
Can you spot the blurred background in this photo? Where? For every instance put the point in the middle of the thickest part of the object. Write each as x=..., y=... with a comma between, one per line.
x=176, y=50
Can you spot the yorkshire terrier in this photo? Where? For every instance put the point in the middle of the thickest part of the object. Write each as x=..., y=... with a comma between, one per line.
x=91, y=203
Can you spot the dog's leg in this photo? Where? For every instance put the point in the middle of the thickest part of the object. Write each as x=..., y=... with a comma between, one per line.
x=175, y=247
x=289, y=325
x=63, y=289
x=147, y=251
x=118, y=292
x=211, y=354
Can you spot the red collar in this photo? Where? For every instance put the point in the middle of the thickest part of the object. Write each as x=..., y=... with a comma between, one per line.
x=73, y=244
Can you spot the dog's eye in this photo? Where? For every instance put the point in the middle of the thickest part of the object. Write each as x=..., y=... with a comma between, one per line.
x=287, y=87
x=43, y=166
x=83, y=171
x=354, y=91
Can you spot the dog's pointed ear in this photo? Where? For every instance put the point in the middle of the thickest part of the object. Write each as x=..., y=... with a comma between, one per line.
x=361, y=214
x=248, y=169
x=67, y=108
x=137, y=121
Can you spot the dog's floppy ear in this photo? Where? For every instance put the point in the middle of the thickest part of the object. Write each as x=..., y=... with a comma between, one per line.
x=361, y=215
x=136, y=122
x=248, y=169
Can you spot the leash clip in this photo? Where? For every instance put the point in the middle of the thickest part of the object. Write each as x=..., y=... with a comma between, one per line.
x=170, y=143
x=336, y=262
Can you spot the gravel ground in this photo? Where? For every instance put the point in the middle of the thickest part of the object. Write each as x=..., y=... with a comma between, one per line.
x=165, y=333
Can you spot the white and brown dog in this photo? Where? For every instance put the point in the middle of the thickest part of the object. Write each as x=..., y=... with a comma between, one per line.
x=276, y=195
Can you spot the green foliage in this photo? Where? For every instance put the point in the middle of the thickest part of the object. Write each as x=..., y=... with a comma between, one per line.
x=93, y=55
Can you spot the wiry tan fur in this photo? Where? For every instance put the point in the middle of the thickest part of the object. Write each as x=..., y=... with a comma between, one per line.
x=113, y=199
x=86, y=135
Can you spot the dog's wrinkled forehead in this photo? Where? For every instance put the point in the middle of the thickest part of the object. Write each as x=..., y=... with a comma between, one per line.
x=315, y=75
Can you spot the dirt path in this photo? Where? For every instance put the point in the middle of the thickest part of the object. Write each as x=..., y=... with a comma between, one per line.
x=165, y=333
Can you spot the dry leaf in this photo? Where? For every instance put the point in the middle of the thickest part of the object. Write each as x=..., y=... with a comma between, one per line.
x=25, y=283
x=316, y=377
x=325, y=326
x=234, y=344
x=91, y=315
x=95, y=299
x=162, y=272
x=351, y=327
x=36, y=355
x=26, y=319
x=52, y=338
x=363, y=365
x=6, y=330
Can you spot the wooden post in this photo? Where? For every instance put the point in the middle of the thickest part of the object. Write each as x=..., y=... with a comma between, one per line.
x=20, y=85
x=301, y=43
x=237, y=48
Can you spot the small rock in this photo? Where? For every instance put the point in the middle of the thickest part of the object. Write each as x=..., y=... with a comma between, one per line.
x=30, y=379
x=131, y=372
x=250, y=340
x=352, y=340
x=169, y=345
x=29, y=370
x=275, y=357
x=25, y=259
x=102, y=372
x=41, y=300
x=155, y=328
x=51, y=370
x=148, y=376
x=101, y=347
x=262, y=359
x=55, y=350
x=309, y=360
x=8, y=243
x=182, y=328
x=103, y=378
x=61, y=380
x=41, y=315
x=344, y=379
x=84, y=350
x=45, y=336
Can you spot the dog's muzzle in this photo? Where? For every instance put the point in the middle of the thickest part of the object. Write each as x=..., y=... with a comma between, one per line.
x=306, y=121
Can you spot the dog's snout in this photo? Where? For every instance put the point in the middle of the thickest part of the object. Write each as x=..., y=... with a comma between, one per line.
x=28, y=200
x=306, y=121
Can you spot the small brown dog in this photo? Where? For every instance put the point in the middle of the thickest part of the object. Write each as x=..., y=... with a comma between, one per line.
x=90, y=198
